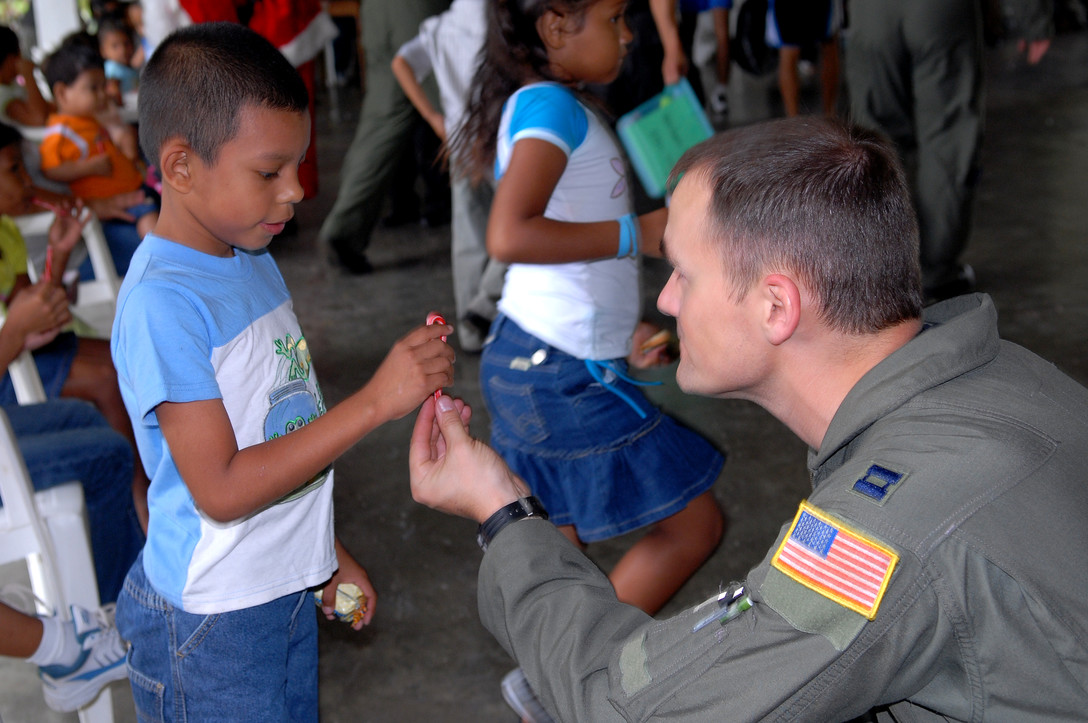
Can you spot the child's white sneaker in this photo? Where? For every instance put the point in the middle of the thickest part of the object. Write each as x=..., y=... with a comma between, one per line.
x=101, y=661
x=519, y=696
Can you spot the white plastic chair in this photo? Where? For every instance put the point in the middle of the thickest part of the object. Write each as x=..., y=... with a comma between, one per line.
x=96, y=300
x=47, y=530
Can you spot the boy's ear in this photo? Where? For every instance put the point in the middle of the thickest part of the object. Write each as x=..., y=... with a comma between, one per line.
x=552, y=27
x=59, y=89
x=176, y=165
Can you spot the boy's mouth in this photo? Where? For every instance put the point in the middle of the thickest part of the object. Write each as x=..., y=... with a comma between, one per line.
x=275, y=228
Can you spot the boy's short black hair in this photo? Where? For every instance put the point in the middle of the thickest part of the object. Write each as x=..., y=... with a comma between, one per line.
x=9, y=136
x=76, y=54
x=200, y=78
x=9, y=43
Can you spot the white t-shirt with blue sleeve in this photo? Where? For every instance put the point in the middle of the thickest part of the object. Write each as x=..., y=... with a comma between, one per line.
x=588, y=309
x=191, y=327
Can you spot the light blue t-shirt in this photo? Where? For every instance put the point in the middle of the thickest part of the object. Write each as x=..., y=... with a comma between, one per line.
x=588, y=309
x=191, y=327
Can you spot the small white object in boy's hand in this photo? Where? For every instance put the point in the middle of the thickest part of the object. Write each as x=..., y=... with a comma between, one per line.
x=350, y=602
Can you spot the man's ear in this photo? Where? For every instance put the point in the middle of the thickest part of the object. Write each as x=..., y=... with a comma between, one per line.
x=176, y=165
x=781, y=303
x=552, y=28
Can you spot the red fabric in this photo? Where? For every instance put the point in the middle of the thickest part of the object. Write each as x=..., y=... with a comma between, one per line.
x=210, y=11
x=280, y=21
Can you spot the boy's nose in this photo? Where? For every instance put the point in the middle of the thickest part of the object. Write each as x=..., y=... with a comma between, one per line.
x=292, y=192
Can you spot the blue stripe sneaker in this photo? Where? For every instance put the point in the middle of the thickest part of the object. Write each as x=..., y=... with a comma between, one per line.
x=101, y=661
x=520, y=696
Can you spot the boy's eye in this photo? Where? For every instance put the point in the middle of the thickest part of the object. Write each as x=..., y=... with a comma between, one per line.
x=268, y=175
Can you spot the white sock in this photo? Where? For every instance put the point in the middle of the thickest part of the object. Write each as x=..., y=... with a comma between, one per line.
x=58, y=646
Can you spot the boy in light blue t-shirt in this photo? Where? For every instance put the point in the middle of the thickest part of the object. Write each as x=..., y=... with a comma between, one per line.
x=229, y=418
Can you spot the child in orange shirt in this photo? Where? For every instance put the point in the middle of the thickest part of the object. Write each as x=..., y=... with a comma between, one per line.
x=77, y=150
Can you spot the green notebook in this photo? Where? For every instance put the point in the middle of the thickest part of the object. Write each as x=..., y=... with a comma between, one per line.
x=658, y=132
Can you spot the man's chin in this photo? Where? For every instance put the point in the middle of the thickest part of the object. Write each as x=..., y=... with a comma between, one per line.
x=684, y=378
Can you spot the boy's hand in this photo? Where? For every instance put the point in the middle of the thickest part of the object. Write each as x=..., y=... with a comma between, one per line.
x=415, y=367
x=38, y=312
x=349, y=571
x=67, y=229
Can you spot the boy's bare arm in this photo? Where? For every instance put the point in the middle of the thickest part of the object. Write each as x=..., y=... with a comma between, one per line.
x=228, y=483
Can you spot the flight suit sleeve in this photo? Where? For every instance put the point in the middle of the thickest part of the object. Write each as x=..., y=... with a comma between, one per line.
x=591, y=658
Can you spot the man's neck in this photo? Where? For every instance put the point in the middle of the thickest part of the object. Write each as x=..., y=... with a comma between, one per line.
x=815, y=379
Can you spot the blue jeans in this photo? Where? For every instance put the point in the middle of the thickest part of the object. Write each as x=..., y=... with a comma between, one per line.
x=122, y=237
x=255, y=664
x=66, y=439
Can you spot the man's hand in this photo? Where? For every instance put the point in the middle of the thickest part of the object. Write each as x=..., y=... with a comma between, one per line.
x=454, y=473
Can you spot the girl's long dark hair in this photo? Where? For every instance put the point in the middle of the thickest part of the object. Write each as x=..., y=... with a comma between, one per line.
x=513, y=55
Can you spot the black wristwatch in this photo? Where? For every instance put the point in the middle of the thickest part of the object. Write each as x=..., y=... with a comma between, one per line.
x=524, y=508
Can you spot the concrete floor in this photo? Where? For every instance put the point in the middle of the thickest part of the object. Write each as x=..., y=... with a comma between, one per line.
x=426, y=657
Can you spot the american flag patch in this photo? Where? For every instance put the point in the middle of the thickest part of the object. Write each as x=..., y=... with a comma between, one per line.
x=847, y=567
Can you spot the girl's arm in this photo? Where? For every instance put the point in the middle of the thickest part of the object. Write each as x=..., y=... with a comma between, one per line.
x=228, y=483
x=97, y=165
x=414, y=91
x=518, y=232
x=35, y=110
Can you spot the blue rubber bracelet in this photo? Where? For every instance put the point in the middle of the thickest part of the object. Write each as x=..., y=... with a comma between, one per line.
x=629, y=236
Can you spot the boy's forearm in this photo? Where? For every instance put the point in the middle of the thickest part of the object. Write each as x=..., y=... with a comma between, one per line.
x=229, y=483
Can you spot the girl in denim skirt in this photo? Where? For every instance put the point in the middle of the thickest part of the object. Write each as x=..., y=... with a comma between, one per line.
x=565, y=416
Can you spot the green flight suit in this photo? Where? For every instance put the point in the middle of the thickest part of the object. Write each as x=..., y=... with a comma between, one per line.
x=982, y=495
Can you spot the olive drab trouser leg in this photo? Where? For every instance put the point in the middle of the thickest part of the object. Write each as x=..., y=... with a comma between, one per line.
x=914, y=71
x=385, y=124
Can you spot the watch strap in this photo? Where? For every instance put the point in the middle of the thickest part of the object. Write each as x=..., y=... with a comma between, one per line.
x=521, y=509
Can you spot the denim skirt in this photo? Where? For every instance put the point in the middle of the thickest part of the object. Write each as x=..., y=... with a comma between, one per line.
x=592, y=459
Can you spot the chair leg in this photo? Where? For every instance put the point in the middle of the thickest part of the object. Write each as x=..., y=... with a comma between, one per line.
x=100, y=710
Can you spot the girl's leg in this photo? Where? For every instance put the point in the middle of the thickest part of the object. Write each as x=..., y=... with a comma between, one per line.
x=789, y=83
x=829, y=75
x=569, y=532
x=93, y=378
x=658, y=564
